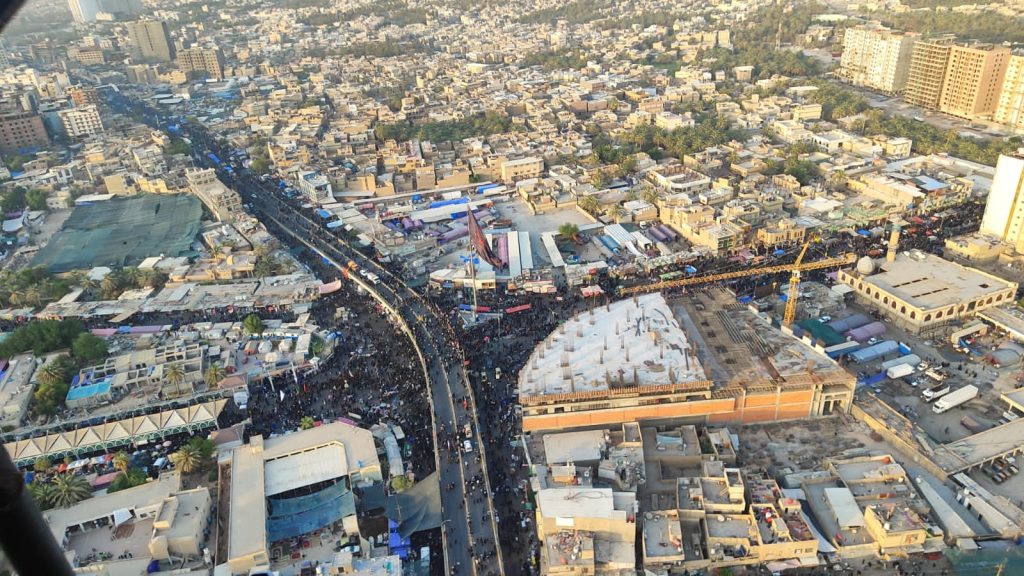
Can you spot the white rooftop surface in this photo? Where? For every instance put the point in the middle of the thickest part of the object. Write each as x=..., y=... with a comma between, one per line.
x=303, y=469
x=248, y=524
x=592, y=349
x=844, y=506
x=929, y=281
x=576, y=502
x=573, y=446
x=59, y=519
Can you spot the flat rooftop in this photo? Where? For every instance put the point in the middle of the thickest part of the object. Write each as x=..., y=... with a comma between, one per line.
x=662, y=534
x=576, y=502
x=927, y=281
x=580, y=446
x=1008, y=318
x=569, y=548
x=633, y=342
x=59, y=519
x=732, y=526
x=979, y=448
x=875, y=469
x=268, y=463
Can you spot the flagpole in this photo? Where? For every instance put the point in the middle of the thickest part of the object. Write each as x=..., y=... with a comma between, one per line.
x=472, y=271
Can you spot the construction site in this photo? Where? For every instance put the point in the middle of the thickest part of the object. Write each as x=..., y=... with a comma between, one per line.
x=702, y=358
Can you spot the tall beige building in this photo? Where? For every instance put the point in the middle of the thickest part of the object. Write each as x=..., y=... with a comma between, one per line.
x=877, y=57
x=1010, y=110
x=151, y=39
x=974, y=77
x=927, y=72
x=1004, y=207
x=206, y=60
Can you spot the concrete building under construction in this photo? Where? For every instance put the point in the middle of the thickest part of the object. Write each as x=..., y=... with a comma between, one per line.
x=704, y=359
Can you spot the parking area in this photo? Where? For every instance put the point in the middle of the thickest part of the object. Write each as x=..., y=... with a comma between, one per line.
x=955, y=369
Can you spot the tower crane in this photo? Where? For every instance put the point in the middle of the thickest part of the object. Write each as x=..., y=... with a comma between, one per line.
x=794, y=288
x=795, y=269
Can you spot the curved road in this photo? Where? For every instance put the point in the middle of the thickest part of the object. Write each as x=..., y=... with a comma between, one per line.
x=470, y=528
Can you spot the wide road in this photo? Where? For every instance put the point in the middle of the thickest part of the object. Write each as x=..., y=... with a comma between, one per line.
x=469, y=528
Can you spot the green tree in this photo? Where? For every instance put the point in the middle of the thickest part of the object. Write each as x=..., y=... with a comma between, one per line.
x=13, y=200
x=42, y=493
x=213, y=375
x=41, y=336
x=54, y=381
x=42, y=464
x=89, y=347
x=400, y=483
x=35, y=199
x=186, y=459
x=306, y=423
x=127, y=479
x=121, y=461
x=52, y=372
x=203, y=446
x=252, y=324
x=569, y=230
x=175, y=375
x=260, y=164
x=69, y=489
x=589, y=204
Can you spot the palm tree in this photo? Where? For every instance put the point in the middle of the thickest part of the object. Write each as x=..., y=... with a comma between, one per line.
x=51, y=373
x=618, y=212
x=68, y=490
x=569, y=230
x=175, y=375
x=33, y=295
x=186, y=459
x=41, y=493
x=42, y=464
x=110, y=286
x=121, y=461
x=213, y=375
x=306, y=423
x=88, y=284
x=589, y=204
x=15, y=297
x=650, y=195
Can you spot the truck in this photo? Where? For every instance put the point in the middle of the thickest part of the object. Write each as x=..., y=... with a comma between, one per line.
x=973, y=425
x=936, y=375
x=899, y=371
x=934, y=392
x=955, y=398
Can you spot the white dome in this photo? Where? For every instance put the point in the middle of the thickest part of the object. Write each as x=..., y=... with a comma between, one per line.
x=866, y=266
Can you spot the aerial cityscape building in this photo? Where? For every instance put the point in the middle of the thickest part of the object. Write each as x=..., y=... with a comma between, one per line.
x=591, y=288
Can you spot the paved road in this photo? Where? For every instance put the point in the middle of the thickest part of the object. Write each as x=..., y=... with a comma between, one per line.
x=469, y=528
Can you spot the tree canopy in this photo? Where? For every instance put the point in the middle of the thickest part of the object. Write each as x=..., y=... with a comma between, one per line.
x=88, y=347
x=54, y=383
x=484, y=125
x=41, y=336
x=252, y=324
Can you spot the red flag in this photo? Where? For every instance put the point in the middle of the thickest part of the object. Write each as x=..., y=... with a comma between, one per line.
x=479, y=242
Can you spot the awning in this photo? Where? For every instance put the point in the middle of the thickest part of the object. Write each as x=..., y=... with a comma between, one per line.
x=121, y=515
